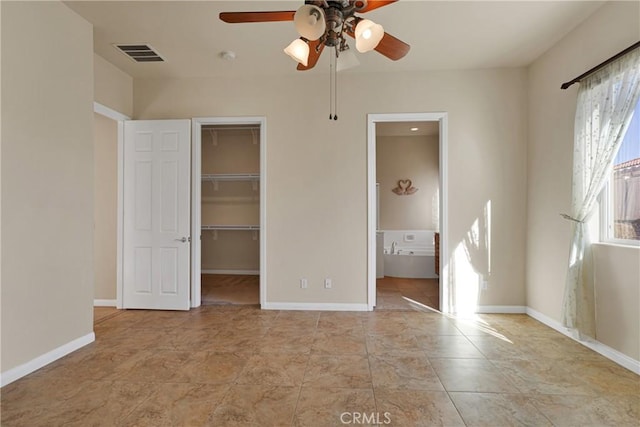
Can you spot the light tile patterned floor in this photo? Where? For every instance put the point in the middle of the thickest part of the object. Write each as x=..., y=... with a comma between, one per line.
x=395, y=293
x=222, y=289
x=240, y=366
x=392, y=293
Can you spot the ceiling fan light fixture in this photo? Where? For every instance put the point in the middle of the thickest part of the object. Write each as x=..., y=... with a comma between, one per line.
x=368, y=35
x=309, y=21
x=299, y=51
x=346, y=60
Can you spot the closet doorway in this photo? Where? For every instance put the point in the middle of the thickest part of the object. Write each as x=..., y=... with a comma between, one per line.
x=228, y=196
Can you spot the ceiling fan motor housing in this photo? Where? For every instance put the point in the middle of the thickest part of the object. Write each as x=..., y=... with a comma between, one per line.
x=356, y=5
x=337, y=14
x=335, y=20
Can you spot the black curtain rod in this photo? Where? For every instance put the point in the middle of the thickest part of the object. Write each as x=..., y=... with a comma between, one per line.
x=599, y=66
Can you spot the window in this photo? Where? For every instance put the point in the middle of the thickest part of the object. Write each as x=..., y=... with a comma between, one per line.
x=621, y=196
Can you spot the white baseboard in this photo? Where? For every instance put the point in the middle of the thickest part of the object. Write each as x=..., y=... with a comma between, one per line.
x=501, y=309
x=33, y=365
x=312, y=306
x=238, y=272
x=486, y=309
x=603, y=349
x=104, y=303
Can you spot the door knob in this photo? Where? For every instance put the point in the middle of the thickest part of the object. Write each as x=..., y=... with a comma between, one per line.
x=184, y=239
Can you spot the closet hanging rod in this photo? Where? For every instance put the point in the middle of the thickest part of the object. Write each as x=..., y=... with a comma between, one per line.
x=231, y=227
x=231, y=177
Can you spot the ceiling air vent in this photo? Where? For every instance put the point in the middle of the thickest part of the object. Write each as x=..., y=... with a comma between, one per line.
x=140, y=52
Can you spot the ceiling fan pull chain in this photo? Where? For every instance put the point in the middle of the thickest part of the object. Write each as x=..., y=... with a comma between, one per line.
x=331, y=84
x=333, y=64
x=335, y=85
x=332, y=78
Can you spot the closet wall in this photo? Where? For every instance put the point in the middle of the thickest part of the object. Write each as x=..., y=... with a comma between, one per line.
x=105, y=202
x=230, y=199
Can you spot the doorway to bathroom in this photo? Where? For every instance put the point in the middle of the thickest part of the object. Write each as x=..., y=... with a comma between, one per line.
x=407, y=211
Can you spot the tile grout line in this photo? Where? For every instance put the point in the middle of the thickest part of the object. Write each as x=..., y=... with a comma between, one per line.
x=368, y=355
x=442, y=383
x=445, y=388
x=306, y=369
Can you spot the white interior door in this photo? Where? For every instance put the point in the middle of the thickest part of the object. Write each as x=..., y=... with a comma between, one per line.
x=157, y=212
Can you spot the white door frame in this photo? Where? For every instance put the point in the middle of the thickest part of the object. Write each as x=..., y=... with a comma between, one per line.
x=372, y=119
x=196, y=195
x=120, y=118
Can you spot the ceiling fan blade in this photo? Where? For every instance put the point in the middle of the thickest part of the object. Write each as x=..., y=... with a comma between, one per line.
x=240, y=17
x=315, y=49
x=392, y=47
x=374, y=4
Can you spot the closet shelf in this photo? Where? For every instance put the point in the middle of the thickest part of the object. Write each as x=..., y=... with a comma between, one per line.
x=231, y=177
x=231, y=200
x=231, y=227
x=231, y=127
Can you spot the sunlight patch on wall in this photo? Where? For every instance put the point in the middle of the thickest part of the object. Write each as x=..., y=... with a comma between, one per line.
x=470, y=266
x=466, y=282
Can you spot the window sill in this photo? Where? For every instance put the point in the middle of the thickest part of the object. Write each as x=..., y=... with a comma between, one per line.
x=620, y=244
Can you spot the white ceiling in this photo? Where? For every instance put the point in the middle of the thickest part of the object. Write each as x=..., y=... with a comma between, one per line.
x=442, y=35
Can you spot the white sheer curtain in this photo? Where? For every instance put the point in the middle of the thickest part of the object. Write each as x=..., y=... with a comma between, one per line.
x=606, y=101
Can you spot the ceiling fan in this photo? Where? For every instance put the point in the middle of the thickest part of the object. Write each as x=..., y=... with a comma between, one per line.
x=323, y=23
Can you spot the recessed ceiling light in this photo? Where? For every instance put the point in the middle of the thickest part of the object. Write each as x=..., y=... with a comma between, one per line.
x=414, y=129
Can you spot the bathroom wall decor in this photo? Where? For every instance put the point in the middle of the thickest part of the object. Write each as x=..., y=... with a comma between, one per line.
x=404, y=188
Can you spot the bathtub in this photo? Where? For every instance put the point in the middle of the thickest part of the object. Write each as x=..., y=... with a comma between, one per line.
x=414, y=255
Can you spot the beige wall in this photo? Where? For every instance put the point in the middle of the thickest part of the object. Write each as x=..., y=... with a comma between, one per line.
x=1, y=134
x=316, y=168
x=617, y=271
x=414, y=158
x=105, y=161
x=610, y=29
x=112, y=87
x=47, y=179
x=230, y=250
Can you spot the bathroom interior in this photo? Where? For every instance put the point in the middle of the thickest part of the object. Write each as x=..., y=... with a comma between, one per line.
x=407, y=211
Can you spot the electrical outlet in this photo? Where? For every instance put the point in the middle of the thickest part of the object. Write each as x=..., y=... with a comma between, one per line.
x=484, y=285
x=327, y=283
x=303, y=283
